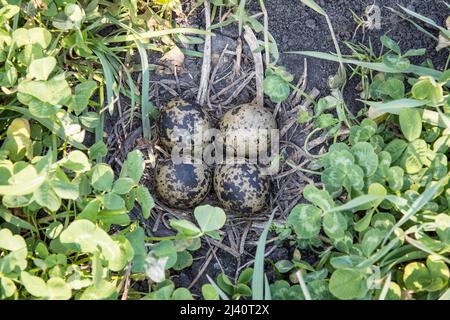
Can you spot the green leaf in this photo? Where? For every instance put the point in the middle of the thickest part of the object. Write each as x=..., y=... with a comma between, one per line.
x=439, y=166
x=165, y=249
x=55, y=288
x=390, y=44
x=84, y=236
x=427, y=89
x=243, y=290
x=90, y=120
x=98, y=149
x=40, y=69
x=74, y=13
x=23, y=182
x=113, y=201
x=209, y=293
x=245, y=276
x=365, y=157
x=306, y=221
x=348, y=284
x=34, y=285
x=415, y=156
x=396, y=148
x=7, y=288
x=326, y=120
x=133, y=166
x=439, y=273
x=105, y=291
x=225, y=283
x=338, y=157
x=102, y=177
x=83, y=93
x=40, y=36
x=415, y=52
x=15, y=221
x=123, y=185
x=184, y=260
x=145, y=200
x=54, y=230
x=76, y=161
x=377, y=189
x=410, y=123
x=182, y=294
x=65, y=190
x=335, y=178
x=137, y=240
x=37, y=94
x=90, y=211
x=11, y=242
x=46, y=197
x=396, y=62
x=284, y=266
x=320, y=198
x=416, y=276
x=371, y=240
x=185, y=227
x=276, y=88
x=210, y=218
x=392, y=87
x=304, y=116
x=443, y=227
x=334, y=224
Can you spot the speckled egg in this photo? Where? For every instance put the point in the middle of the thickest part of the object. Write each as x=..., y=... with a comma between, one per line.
x=181, y=119
x=182, y=185
x=242, y=129
x=241, y=187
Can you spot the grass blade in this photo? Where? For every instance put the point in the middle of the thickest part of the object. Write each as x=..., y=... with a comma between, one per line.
x=240, y=15
x=155, y=34
x=267, y=293
x=109, y=82
x=425, y=248
x=377, y=66
x=394, y=106
x=445, y=295
x=145, y=87
x=386, y=286
x=426, y=20
x=303, y=286
x=418, y=204
x=12, y=219
x=258, y=269
x=314, y=6
x=222, y=294
x=361, y=200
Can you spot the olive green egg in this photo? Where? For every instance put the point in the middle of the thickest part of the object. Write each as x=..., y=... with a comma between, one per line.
x=246, y=129
x=182, y=185
x=180, y=120
x=241, y=187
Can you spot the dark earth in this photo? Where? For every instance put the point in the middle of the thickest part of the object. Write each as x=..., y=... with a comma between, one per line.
x=295, y=27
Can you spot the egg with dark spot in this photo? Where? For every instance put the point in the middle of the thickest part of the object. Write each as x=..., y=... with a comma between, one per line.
x=246, y=129
x=182, y=185
x=183, y=121
x=241, y=187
